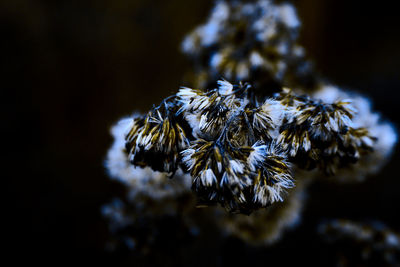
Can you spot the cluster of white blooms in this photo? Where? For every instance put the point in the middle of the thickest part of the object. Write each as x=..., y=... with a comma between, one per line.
x=156, y=139
x=331, y=135
x=370, y=242
x=239, y=150
x=222, y=137
x=254, y=42
x=239, y=146
x=230, y=160
x=139, y=180
x=152, y=198
x=363, y=119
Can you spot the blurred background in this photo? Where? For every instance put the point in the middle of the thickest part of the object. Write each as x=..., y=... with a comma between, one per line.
x=70, y=69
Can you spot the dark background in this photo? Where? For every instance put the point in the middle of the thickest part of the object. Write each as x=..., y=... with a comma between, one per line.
x=70, y=69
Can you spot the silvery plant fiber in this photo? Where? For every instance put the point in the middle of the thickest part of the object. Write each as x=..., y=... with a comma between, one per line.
x=241, y=149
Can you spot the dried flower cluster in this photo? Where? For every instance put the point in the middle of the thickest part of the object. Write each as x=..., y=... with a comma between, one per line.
x=323, y=135
x=239, y=149
x=153, y=198
x=254, y=42
x=381, y=132
x=225, y=150
x=251, y=147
